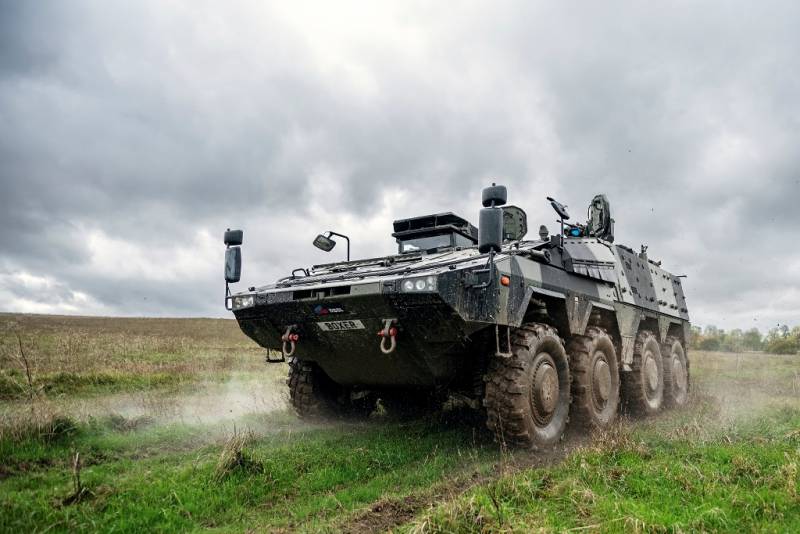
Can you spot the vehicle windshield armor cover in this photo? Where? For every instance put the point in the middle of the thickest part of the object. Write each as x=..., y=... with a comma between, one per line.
x=535, y=333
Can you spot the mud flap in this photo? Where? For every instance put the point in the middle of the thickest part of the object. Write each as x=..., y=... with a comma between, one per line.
x=628, y=319
x=663, y=328
x=579, y=308
x=516, y=312
x=502, y=332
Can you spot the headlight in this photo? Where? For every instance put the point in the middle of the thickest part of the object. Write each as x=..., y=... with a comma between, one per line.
x=419, y=285
x=245, y=301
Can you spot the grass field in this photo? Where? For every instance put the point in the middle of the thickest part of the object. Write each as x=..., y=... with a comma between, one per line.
x=179, y=425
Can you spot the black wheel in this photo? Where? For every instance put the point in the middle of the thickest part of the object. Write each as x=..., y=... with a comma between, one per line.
x=313, y=394
x=527, y=395
x=643, y=386
x=595, y=379
x=676, y=373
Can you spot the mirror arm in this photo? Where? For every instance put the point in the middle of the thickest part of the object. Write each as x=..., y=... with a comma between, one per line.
x=331, y=232
x=227, y=297
x=227, y=286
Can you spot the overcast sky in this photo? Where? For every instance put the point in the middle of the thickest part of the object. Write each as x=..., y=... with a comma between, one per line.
x=133, y=133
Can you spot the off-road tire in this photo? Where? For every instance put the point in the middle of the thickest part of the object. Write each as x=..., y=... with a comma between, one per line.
x=313, y=394
x=643, y=386
x=676, y=373
x=595, y=379
x=518, y=412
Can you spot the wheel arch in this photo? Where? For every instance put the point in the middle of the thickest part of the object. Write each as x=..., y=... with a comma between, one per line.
x=570, y=313
x=679, y=330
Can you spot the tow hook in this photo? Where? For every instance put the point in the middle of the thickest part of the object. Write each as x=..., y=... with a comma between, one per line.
x=389, y=333
x=291, y=339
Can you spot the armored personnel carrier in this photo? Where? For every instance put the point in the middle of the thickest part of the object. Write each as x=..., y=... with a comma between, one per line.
x=535, y=333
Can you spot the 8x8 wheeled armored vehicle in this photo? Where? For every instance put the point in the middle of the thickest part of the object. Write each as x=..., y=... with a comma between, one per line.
x=535, y=332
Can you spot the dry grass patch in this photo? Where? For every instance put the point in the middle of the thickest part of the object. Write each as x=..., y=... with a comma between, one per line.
x=61, y=356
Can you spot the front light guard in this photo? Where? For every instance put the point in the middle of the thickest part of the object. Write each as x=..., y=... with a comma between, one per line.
x=240, y=302
x=419, y=284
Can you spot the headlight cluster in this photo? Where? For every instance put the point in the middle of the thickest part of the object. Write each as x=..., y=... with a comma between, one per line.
x=424, y=284
x=243, y=301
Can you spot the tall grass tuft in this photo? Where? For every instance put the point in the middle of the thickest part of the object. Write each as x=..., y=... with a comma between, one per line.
x=79, y=491
x=39, y=424
x=236, y=457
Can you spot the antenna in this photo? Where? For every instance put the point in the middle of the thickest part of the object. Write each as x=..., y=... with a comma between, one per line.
x=561, y=210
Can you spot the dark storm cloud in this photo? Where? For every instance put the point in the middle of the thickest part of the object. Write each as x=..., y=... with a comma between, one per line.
x=133, y=134
x=25, y=46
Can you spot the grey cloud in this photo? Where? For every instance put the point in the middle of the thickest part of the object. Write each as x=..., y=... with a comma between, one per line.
x=153, y=122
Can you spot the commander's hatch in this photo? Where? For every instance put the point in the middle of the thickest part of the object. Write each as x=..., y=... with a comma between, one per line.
x=589, y=257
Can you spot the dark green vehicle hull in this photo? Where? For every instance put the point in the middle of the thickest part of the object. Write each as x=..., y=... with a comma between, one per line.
x=528, y=330
x=432, y=345
x=439, y=333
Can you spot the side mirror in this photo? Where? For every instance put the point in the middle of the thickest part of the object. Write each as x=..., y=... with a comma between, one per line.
x=324, y=243
x=233, y=264
x=490, y=219
x=515, y=223
x=490, y=230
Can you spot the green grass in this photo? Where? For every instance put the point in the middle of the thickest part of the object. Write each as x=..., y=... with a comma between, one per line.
x=146, y=480
x=677, y=473
x=728, y=463
x=734, y=479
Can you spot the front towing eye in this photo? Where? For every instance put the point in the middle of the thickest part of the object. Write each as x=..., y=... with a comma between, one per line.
x=290, y=338
x=389, y=332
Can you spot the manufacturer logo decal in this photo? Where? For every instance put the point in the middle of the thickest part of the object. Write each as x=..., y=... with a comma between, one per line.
x=319, y=309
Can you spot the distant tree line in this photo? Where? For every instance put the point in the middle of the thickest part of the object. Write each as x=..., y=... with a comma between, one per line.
x=779, y=340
